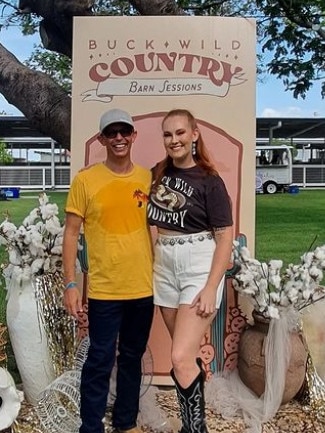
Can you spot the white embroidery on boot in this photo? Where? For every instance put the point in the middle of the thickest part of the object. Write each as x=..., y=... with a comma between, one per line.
x=191, y=410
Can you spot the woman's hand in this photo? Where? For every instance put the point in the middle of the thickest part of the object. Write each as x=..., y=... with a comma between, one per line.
x=205, y=302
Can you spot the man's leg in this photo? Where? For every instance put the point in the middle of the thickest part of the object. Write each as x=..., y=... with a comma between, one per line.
x=134, y=334
x=104, y=323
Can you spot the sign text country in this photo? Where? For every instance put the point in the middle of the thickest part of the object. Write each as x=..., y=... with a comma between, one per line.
x=218, y=72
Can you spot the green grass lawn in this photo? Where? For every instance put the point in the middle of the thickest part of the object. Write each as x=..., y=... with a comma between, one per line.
x=20, y=208
x=286, y=224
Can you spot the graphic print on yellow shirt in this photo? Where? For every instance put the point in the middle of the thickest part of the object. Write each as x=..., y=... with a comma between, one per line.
x=118, y=242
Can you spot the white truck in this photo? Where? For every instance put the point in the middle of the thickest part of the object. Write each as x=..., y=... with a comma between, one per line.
x=273, y=168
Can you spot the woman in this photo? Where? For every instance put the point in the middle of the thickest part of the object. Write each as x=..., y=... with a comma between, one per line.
x=191, y=209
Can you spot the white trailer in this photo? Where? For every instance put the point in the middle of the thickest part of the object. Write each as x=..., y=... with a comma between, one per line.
x=273, y=168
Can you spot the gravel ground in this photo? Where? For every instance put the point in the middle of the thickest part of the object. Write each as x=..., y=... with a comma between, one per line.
x=291, y=418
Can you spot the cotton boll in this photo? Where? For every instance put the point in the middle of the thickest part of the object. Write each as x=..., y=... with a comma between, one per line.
x=53, y=226
x=273, y=312
x=49, y=210
x=43, y=198
x=37, y=265
x=275, y=264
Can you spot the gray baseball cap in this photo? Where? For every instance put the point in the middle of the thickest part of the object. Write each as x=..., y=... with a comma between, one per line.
x=114, y=116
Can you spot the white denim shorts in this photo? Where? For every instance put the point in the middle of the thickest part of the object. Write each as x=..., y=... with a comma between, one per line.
x=181, y=268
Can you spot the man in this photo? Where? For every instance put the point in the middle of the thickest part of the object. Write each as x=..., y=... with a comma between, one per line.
x=110, y=199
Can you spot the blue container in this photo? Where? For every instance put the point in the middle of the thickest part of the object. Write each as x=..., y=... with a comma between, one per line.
x=293, y=189
x=11, y=192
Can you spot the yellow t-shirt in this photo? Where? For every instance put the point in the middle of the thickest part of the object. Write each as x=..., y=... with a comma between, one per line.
x=114, y=209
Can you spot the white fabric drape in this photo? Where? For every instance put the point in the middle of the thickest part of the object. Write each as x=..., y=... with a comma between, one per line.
x=228, y=395
x=11, y=399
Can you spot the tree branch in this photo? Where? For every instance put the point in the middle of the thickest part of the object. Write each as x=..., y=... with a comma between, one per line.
x=157, y=7
x=56, y=26
x=46, y=105
x=299, y=18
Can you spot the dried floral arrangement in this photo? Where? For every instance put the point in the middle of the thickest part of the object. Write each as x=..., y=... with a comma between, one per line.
x=273, y=290
x=35, y=247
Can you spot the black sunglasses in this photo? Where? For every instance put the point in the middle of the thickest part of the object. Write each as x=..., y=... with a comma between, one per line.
x=125, y=131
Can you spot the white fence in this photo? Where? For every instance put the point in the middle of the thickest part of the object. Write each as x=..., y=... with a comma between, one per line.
x=35, y=177
x=307, y=175
x=58, y=177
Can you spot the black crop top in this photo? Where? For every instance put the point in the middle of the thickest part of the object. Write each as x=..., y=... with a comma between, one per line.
x=190, y=201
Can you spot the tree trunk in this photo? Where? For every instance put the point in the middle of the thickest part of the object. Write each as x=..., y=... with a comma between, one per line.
x=45, y=104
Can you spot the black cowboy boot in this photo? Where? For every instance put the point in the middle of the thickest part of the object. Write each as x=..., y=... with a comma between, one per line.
x=191, y=403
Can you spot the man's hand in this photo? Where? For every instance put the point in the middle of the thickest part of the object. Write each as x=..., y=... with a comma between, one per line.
x=73, y=301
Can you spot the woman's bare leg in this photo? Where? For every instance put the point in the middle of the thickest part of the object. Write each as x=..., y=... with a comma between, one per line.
x=169, y=316
x=188, y=332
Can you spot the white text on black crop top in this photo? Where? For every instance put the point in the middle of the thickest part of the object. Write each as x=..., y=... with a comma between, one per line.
x=190, y=201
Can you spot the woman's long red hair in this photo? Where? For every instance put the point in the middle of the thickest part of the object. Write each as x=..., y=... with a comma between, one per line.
x=201, y=157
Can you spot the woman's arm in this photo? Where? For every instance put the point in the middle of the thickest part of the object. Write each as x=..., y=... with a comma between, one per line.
x=206, y=299
x=222, y=255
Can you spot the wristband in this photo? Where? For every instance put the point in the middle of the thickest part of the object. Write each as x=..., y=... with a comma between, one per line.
x=71, y=285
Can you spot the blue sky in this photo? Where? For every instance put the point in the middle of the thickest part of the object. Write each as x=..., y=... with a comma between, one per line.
x=271, y=98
